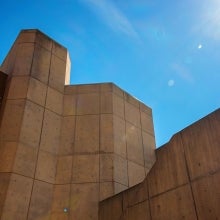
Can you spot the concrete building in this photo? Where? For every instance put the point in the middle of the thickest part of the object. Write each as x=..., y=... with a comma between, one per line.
x=64, y=148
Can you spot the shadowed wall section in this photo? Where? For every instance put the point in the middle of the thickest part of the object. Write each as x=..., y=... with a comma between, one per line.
x=182, y=184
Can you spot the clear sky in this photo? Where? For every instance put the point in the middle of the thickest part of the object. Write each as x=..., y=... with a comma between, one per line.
x=165, y=53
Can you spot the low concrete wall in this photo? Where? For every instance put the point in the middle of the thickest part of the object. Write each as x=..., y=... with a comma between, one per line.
x=183, y=183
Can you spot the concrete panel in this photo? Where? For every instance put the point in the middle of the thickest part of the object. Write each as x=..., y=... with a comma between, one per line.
x=147, y=123
x=206, y=192
x=136, y=194
x=64, y=169
x=57, y=73
x=25, y=161
x=7, y=156
x=12, y=118
x=23, y=59
x=130, y=99
x=69, y=105
x=85, y=168
x=46, y=167
x=111, y=208
x=119, y=188
x=88, y=104
x=120, y=170
x=118, y=106
x=67, y=135
x=106, y=102
x=106, y=167
x=106, y=87
x=43, y=40
x=59, y=51
x=106, y=133
x=27, y=37
x=61, y=198
x=135, y=151
x=118, y=91
x=132, y=114
x=88, y=88
x=54, y=101
x=87, y=134
x=119, y=137
x=139, y=212
x=145, y=109
x=31, y=124
x=41, y=64
x=165, y=177
x=41, y=201
x=136, y=173
x=4, y=182
x=17, y=199
x=200, y=148
x=86, y=196
x=106, y=189
x=172, y=205
x=18, y=87
x=149, y=146
x=37, y=91
x=50, y=137
x=70, y=89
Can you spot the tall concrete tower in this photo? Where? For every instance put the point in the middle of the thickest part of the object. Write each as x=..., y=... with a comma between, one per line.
x=64, y=148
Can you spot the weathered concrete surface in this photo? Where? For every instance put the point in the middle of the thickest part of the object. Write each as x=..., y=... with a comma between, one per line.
x=183, y=183
x=63, y=148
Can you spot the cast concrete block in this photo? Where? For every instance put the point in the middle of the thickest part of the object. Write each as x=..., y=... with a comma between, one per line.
x=54, y=101
x=136, y=173
x=7, y=155
x=174, y=173
x=50, y=137
x=106, y=189
x=106, y=87
x=59, y=216
x=70, y=89
x=132, y=114
x=86, y=196
x=67, y=135
x=147, y=123
x=139, y=211
x=135, y=151
x=119, y=187
x=88, y=104
x=199, y=148
x=130, y=99
x=106, y=133
x=31, y=124
x=106, y=102
x=18, y=87
x=149, y=146
x=111, y=208
x=118, y=91
x=118, y=106
x=87, y=134
x=23, y=59
x=41, y=201
x=206, y=193
x=120, y=170
x=57, y=73
x=37, y=91
x=4, y=182
x=88, y=88
x=26, y=37
x=43, y=40
x=64, y=169
x=25, y=160
x=18, y=197
x=119, y=136
x=41, y=64
x=106, y=167
x=135, y=194
x=85, y=168
x=174, y=204
x=46, y=167
x=12, y=118
x=69, y=105
x=59, y=51
x=61, y=198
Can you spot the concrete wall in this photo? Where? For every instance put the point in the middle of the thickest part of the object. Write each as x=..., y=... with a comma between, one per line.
x=65, y=148
x=183, y=183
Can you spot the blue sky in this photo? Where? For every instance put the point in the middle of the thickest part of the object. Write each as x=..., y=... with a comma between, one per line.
x=165, y=53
